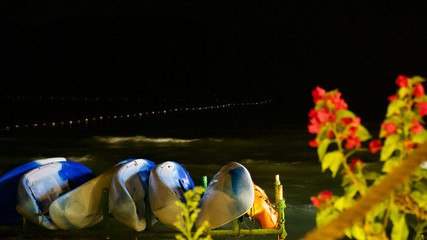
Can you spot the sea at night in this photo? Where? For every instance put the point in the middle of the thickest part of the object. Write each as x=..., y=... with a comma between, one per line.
x=201, y=140
x=200, y=83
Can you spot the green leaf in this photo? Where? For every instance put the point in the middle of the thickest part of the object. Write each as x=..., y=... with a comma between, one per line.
x=358, y=233
x=400, y=229
x=323, y=147
x=347, y=233
x=345, y=114
x=371, y=175
x=342, y=203
x=335, y=166
x=420, y=137
x=363, y=133
x=325, y=216
x=351, y=190
x=333, y=161
x=394, y=213
x=417, y=79
x=420, y=198
x=421, y=186
x=390, y=145
x=376, y=228
x=394, y=107
x=403, y=92
x=180, y=237
x=390, y=164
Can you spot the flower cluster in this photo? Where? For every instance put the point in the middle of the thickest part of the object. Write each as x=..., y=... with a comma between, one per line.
x=323, y=197
x=405, y=112
x=401, y=131
x=327, y=103
x=331, y=119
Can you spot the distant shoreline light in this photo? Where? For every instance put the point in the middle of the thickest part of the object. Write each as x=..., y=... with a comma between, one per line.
x=86, y=121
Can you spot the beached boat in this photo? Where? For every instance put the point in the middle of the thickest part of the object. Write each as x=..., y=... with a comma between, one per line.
x=82, y=207
x=128, y=194
x=263, y=211
x=39, y=187
x=229, y=195
x=167, y=184
x=9, y=188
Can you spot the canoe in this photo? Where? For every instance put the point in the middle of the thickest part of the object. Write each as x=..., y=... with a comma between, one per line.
x=229, y=195
x=39, y=187
x=128, y=192
x=9, y=188
x=263, y=211
x=82, y=207
x=167, y=184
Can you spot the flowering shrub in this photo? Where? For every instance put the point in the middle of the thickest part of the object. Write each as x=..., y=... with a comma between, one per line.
x=339, y=137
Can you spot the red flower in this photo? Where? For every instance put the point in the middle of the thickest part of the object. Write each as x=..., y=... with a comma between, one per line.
x=355, y=161
x=390, y=128
x=336, y=99
x=318, y=93
x=330, y=134
x=346, y=121
x=375, y=146
x=352, y=141
x=392, y=97
x=409, y=144
x=325, y=195
x=422, y=108
x=314, y=126
x=418, y=90
x=353, y=130
x=314, y=143
x=402, y=81
x=312, y=113
x=316, y=201
x=416, y=127
x=356, y=121
x=323, y=115
x=321, y=198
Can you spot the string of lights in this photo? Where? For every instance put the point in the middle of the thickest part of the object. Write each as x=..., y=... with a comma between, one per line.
x=133, y=115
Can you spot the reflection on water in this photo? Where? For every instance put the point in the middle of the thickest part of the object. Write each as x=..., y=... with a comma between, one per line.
x=142, y=139
x=202, y=142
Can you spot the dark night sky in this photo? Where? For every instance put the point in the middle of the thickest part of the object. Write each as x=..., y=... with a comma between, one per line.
x=159, y=49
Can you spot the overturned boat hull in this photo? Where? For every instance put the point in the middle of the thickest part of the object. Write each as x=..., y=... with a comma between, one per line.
x=41, y=186
x=229, y=195
x=9, y=189
x=82, y=207
x=167, y=184
x=128, y=194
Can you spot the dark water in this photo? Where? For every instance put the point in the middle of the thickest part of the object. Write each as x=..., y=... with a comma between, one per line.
x=202, y=141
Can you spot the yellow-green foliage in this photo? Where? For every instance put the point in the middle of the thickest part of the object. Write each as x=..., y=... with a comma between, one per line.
x=185, y=222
